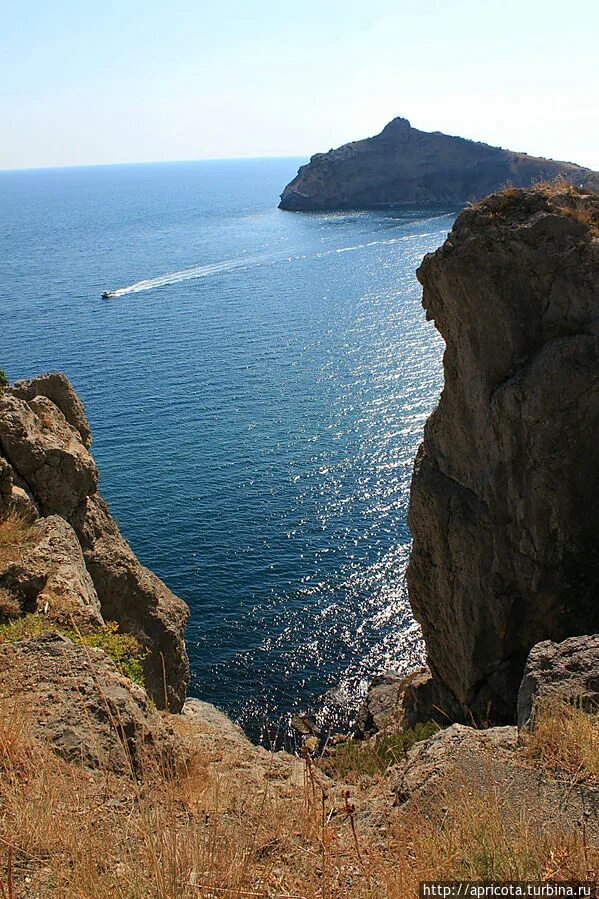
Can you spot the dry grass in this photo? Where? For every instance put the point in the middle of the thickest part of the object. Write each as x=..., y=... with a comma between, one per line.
x=196, y=829
x=577, y=203
x=10, y=606
x=15, y=529
x=565, y=738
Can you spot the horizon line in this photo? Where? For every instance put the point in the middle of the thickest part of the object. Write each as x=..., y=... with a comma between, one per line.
x=100, y=165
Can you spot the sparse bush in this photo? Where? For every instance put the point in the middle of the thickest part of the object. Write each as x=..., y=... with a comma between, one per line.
x=14, y=531
x=124, y=649
x=367, y=758
x=3, y=380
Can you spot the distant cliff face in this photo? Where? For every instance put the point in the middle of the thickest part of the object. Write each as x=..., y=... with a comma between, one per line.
x=74, y=566
x=504, y=506
x=404, y=166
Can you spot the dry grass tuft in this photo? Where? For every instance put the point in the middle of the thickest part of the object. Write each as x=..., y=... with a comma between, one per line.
x=564, y=737
x=15, y=529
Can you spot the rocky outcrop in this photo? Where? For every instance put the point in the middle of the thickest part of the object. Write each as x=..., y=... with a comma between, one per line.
x=48, y=574
x=74, y=698
x=132, y=595
x=46, y=452
x=46, y=468
x=567, y=671
x=395, y=703
x=402, y=166
x=504, y=506
x=430, y=764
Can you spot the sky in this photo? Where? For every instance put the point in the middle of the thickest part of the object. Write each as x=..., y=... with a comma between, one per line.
x=86, y=82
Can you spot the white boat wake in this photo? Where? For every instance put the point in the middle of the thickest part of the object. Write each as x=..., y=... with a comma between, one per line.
x=230, y=265
x=186, y=274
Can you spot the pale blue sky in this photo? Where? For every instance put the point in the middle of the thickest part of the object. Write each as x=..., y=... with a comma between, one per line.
x=99, y=82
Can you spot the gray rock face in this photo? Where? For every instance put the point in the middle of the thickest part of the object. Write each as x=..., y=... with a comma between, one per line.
x=404, y=166
x=76, y=700
x=383, y=706
x=47, y=452
x=132, y=595
x=568, y=670
x=48, y=575
x=44, y=440
x=504, y=507
x=57, y=388
x=430, y=763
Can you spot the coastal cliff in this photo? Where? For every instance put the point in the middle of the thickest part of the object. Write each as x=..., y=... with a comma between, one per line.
x=71, y=561
x=403, y=166
x=504, y=506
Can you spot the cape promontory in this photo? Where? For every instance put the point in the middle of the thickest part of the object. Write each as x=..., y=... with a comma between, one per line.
x=403, y=166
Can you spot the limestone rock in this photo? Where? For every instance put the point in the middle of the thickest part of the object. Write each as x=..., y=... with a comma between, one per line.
x=461, y=765
x=138, y=600
x=6, y=482
x=57, y=387
x=569, y=670
x=74, y=698
x=225, y=746
x=430, y=763
x=48, y=575
x=46, y=452
x=404, y=166
x=44, y=439
x=397, y=703
x=504, y=506
x=383, y=706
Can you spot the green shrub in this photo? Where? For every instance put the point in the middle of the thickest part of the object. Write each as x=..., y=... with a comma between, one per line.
x=3, y=380
x=124, y=649
x=358, y=758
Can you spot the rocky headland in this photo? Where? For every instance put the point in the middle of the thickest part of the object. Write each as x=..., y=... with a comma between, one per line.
x=403, y=166
x=113, y=783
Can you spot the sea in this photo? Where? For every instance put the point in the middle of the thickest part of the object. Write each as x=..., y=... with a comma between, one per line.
x=257, y=388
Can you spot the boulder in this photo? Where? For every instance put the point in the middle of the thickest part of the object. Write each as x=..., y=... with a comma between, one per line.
x=44, y=437
x=430, y=765
x=504, y=506
x=397, y=703
x=46, y=452
x=74, y=698
x=48, y=575
x=57, y=388
x=567, y=670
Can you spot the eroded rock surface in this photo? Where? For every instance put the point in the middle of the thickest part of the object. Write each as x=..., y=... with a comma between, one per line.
x=46, y=468
x=404, y=166
x=47, y=574
x=75, y=699
x=568, y=671
x=504, y=506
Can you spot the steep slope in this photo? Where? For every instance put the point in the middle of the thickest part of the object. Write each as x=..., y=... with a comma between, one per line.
x=48, y=475
x=404, y=166
x=504, y=506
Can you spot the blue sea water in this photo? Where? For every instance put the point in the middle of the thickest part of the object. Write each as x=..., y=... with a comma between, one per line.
x=256, y=390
